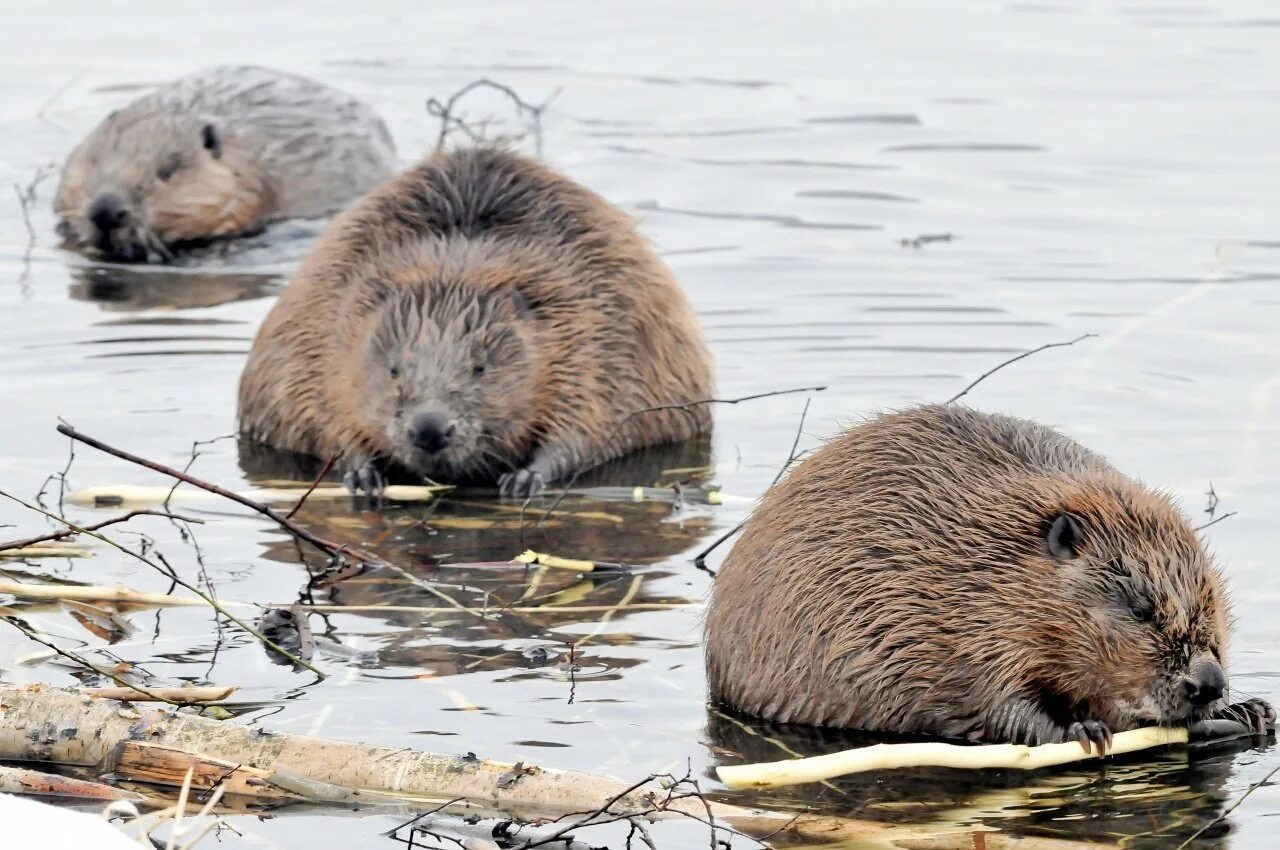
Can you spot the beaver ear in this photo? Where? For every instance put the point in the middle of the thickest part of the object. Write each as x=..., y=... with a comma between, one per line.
x=212, y=142
x=1063, y=537
x=522, y=304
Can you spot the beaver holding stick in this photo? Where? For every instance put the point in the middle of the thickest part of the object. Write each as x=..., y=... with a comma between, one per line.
x=216, y=154
x=946, y=572
x=480, y=318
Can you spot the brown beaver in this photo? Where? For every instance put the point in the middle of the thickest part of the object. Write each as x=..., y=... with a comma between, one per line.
x=947, y=572
x=479, y=317
x=216, y=154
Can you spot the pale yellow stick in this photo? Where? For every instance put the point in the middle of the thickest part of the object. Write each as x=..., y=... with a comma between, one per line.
x=46, y=551
x=131, y=496
x=542, y=559
x=24, y=590
x=890, y=756
x=213, y=693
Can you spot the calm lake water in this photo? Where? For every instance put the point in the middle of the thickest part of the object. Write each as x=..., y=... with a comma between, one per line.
x=1095, y=168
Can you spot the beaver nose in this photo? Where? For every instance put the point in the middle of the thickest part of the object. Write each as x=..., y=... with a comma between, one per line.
x=431, y=432
x=108, y=212
x=1206, y=683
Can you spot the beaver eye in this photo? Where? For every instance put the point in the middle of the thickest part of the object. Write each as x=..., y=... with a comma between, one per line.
x=479, y=370
x=171, y=164
x=1142, y=611
x=395, y=372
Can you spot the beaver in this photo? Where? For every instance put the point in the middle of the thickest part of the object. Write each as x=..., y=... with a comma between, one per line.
x=946, y=572
x=215, y=154
x=478, y=317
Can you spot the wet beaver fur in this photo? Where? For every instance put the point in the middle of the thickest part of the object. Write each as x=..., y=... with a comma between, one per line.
x=480, y=318
x=947, y=572
x=215, y=154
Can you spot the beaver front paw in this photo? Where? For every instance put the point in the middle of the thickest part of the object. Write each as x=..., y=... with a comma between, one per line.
x=522, y=483
x=1090, y=730
x=365, y=478
x=1251, y=717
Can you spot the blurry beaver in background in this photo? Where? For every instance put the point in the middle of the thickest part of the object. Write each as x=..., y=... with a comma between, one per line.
x=479, y=319
x=946, y=572
x=219, y=153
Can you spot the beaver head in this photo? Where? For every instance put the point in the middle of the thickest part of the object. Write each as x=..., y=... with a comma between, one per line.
x=1140, y=629
x=447, y=377
x=139, y=184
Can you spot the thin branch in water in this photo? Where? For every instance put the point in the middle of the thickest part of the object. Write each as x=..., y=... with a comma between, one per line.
x=686, y=407
x=1212, y=504
x=27, y=200
x=67, y=532
x=63, y=89
x=61, y=478
x=700, y=560
x=450, y=121
x=1227, y=811
x=84, y=662
x=314, y=484
x=288, y=525
x=1011, y=360
x=191, y=461
x=1215, y=521
x=267, y=642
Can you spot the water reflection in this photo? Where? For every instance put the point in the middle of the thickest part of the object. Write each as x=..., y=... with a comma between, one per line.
x=136, y=288
x=456, y=603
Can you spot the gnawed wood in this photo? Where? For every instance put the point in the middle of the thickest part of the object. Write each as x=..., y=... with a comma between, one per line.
x=18, y=780
x=933, y=754
x=162, y=765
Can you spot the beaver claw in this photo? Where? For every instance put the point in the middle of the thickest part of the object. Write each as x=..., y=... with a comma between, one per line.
x=1251, y=717
x=1090, y=730
x=367, y=478
x=522, y=483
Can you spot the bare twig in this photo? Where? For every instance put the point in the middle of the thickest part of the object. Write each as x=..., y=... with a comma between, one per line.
x=84, y=662
x=314, y=484
x=63, y=89
x=61, y=478
x=213, y=603
x=293, y=528
x=1215, y=521
x=1223, y=816
x=1021, y=356
x=685, y=407
x=700, y=561
x=450, y=121
x=191, y=461
x=67, y=532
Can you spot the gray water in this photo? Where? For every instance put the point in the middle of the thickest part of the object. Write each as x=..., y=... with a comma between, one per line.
x=1098, y=168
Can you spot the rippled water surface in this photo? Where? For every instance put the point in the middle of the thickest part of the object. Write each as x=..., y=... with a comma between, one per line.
x=884, y=198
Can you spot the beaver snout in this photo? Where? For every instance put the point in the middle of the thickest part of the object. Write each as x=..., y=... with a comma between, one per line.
x=432, y=432
x=109, y=213
x=1206, y=684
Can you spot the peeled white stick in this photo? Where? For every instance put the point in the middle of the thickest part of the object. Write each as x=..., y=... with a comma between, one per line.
x=134, y=496
x=890, y=756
